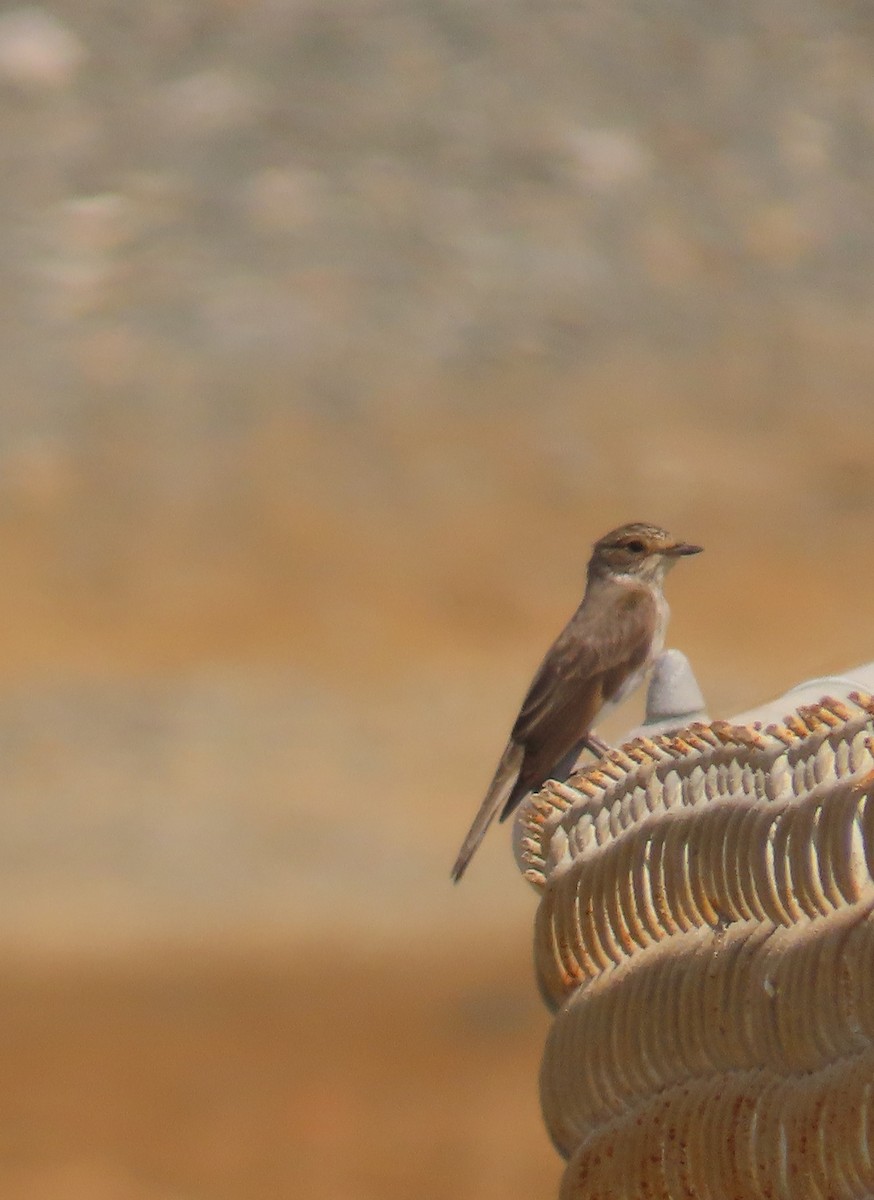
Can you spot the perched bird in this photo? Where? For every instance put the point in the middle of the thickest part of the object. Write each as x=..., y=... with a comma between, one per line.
x=600, y=656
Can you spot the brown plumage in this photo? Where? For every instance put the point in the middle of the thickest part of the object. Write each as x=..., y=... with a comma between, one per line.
x=597, y=660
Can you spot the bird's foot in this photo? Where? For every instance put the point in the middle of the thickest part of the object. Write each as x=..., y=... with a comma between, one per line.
x=596, y=744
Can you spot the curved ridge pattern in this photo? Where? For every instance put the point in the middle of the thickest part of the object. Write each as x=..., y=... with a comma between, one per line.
x=705, y=933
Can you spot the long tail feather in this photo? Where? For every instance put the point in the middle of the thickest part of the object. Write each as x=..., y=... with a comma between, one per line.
x=499, y=792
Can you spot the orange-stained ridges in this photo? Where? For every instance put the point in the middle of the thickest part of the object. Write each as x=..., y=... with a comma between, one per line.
x=706, y=938
x=604, y=784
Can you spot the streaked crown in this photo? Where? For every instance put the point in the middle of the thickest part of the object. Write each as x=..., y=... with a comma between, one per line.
x=637, y=549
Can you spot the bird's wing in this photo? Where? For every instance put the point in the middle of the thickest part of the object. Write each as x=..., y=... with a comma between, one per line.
x=584, y=669
x=501, y=788
x=603, y=650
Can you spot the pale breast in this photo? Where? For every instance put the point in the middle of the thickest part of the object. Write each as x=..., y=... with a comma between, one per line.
x=663, y=614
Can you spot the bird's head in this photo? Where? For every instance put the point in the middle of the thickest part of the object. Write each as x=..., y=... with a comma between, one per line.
x=642, y=551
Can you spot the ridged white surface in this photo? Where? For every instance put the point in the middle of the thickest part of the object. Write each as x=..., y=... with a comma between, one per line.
x=705, y=936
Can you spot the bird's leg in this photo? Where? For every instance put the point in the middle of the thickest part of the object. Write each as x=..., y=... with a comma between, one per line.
x=596, y=744
x=591, y=742
x=570, y=764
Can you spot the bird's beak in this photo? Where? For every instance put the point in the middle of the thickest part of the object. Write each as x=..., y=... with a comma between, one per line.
x=681, y=549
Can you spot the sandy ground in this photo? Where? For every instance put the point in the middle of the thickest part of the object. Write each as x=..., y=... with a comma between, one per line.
x=224, y=1077
x=336, y=1020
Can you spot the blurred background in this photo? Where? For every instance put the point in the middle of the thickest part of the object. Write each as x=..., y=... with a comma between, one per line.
x=333, y=335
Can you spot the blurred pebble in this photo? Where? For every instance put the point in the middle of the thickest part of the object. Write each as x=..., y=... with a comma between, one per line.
x=211, y=101
x=37, y=51
x=77, y=287
x=778, y=235
x=244, y=313
x=82, y=261
x=97, y=224
x=385, y=185
x=668, y=254
x=281, y=200
x=109, y=358
x=804, y=142
x=607, y=158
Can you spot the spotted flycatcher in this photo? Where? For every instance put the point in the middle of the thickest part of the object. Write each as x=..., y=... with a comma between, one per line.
x=600, y=656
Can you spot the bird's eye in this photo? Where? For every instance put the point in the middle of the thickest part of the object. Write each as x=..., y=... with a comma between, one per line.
x=636, y=547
